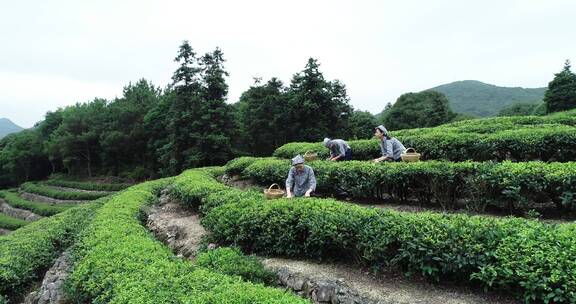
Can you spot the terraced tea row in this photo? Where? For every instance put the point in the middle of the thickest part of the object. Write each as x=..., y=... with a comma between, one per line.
x=525, y=256
x=519, y=143
x=35, y=200
x=29, y=249
x=508, y=186
x=119, y=262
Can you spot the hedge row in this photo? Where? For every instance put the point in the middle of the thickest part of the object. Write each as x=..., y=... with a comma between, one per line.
x=506, y=185
x=231, y=261
x=534, y=259
x=86, y=185
x=495, y=124
x=44, y=209
x=57, y=194
x=120, y=262
x=27, y=250
x=11, y=223
x=550, y=143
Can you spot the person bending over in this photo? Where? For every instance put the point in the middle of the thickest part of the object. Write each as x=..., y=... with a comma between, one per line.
x=339, y=149
x=301, y=180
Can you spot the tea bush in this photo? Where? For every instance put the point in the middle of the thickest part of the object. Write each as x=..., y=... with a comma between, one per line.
x=86, y=185
x=545, y=142
x=57, y=194
x=120, y=262
x=506, y=184
x=43, y=209
x=535, y=259
x=11, y=223
x=34, y=247
x=231, y=261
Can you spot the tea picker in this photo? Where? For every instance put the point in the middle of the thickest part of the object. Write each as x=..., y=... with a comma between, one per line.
x=301, y=180
x=339, y=149
x=391, y=148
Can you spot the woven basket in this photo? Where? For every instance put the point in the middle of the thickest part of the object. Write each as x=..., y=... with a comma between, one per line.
x=273, y=193
x=410, y=155
x=310, y=156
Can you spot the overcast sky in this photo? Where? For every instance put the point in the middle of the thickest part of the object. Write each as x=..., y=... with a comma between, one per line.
x=57, y=53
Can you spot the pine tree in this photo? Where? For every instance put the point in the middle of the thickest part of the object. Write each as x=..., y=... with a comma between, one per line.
x=180, y=151
x=561, y=93
x=318, y=108
x=263, y=117
x=216, y=119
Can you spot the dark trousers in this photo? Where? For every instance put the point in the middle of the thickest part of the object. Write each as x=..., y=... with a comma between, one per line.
x=347, y=156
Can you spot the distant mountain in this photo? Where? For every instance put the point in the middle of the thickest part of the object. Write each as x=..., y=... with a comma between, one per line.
x=482, y=99
x=7, y=127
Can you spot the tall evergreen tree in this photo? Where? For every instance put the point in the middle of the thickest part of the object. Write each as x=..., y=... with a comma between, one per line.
x=318, y=107
x=185, y=109
x=124, y=140
x=156, y=123
x=263, y=117
x=561, y=93
x=214, y=146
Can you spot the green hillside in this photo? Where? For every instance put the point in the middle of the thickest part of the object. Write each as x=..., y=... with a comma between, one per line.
x=482, y=99
x=7, y=127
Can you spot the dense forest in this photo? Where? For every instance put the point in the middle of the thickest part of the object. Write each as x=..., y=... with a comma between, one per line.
x=151, y=131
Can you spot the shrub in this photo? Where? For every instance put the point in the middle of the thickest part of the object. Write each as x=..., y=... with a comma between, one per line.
x=43, y=209
x=235, y=166
x=522, y=255
x=506, y=184
x=231, y=261
x=31, y=248
x=120, y=262
x=57, y=194
x=524, y=138
x=11, y=223
x=86, y=185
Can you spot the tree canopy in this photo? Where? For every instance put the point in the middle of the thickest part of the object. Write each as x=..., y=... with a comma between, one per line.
x=418, y=110
x=561, y=93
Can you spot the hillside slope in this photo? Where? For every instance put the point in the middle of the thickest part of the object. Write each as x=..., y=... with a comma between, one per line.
x=482, y=99
x=7, y=127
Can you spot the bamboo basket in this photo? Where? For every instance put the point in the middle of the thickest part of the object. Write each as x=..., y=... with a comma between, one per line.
x=310, y=156
x=410, y=155
x=273, y=192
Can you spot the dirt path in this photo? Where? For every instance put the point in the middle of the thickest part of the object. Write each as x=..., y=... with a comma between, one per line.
x=177, y=228
x=4, y=231
x=387, y=288
x=181, y=231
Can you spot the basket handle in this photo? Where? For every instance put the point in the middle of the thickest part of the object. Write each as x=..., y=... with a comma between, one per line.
x=277, y=186
x=410, y=150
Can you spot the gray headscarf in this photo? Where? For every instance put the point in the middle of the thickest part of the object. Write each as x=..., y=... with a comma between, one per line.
x=298, y=159
x=382, y=128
